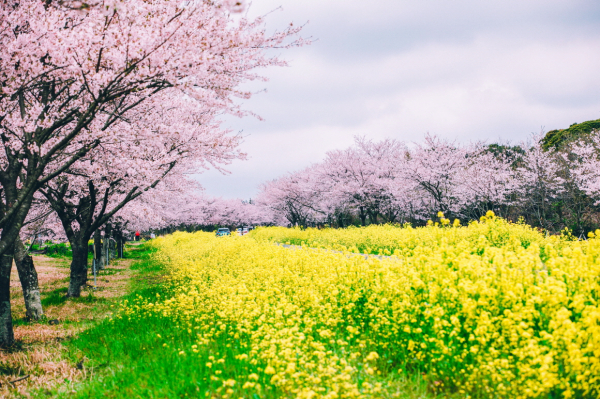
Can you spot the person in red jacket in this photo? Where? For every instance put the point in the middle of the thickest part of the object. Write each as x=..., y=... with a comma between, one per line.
x=137, y=235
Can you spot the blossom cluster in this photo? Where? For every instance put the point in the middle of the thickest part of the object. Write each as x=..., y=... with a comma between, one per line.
x=489, y=309
x=391, y=181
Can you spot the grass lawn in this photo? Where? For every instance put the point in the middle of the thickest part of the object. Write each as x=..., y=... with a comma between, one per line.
x=41, y=352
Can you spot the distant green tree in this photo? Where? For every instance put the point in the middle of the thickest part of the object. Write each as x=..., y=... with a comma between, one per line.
x=554, y=139
x=514, y=154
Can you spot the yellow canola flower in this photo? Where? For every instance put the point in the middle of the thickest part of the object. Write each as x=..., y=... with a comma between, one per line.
x=491, y=309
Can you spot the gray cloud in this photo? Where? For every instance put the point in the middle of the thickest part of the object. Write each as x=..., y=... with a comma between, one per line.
x=470, y=70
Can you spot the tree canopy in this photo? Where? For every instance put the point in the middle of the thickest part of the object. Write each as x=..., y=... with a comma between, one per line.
x=556, y=138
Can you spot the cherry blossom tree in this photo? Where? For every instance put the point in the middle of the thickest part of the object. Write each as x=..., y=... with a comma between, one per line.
x=537, y=183
x=486, y=183
x=121, y=169
x=579, y=201
x=41, y=222
x=71, y=75
x=360, y=176
x=232, y=212
x=388, y=182
x=294, y=198
x=436, y=167
x=170, y=207
x=587, y=165
x=175, y=201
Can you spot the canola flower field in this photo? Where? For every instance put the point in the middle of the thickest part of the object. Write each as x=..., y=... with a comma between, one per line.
x=490, y=310
x=391, y=240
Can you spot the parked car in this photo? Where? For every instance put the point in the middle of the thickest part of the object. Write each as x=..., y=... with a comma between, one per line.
x=223, y=231
x=245, y=230
x=240, y=232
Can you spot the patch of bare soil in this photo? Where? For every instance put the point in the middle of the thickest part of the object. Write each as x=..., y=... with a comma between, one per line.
x=38, y=359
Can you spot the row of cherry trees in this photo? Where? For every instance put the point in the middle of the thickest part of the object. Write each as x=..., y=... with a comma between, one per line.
x=392, y=182
x=111, y=105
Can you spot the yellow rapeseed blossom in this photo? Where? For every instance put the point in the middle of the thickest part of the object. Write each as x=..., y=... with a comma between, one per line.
x=493, y=308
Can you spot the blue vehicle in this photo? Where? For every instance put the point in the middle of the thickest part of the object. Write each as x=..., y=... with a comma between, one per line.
x=223, y=231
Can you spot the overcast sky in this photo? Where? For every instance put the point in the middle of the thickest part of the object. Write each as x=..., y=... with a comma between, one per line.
x=464, y=70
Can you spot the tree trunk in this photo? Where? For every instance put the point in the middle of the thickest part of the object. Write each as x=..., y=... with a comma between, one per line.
x=98, y=250
x=106, y=243
x=32, y=242
x=363, y=216
x=120, y=246
x=78, y=269
x=372, y=217
x=7, y=337
x=118, y=233
x=29, y=282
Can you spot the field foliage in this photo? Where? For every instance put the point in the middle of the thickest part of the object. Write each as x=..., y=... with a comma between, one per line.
x=492, y=309
x=389, y=239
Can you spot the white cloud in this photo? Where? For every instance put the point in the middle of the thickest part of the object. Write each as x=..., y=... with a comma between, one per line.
x=465, y=69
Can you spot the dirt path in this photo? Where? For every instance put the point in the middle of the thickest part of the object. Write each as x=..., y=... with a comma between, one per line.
x=38, y=352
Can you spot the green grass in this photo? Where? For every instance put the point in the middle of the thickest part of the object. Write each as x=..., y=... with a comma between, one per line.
x=129, y=358
x=59, y=297
x=107, y=271
x=141, y=251
x=9, y=369
x=55, y=297
x=61, y=250
x=138, y=356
